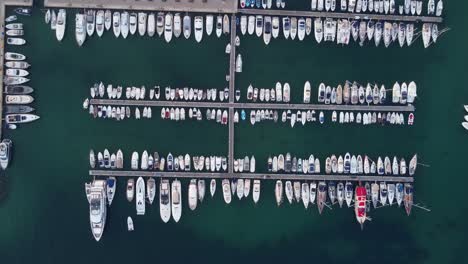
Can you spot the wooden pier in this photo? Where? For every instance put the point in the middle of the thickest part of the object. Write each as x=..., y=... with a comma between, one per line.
x=3, y=5
x=261, y=176
x=232, y=88
x=337, y=15
x=273, y=106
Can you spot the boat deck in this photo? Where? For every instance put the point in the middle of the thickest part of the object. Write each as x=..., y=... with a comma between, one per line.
x=3, y=5
x=404, y=18
x=262, y=176
x=273, y=106
x=215, y=6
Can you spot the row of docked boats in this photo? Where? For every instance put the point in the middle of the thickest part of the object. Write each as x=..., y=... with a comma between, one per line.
x=197, y=94
x=281, y=93
x=245, y=165
x=14, y=31
x=167, y=24
x=117, y=112
x=354, y=93
x=106, y=159
x=369, y=118
x=340, y=31
x=265, y=4
x=293, y=117
x=101, y=193
x=405, y=7
x=176, y=114
x=57, y=21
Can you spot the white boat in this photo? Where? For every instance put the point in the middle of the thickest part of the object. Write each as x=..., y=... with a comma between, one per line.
x=160, y=23
x=142, y=21
x=90, y=22
x=318, y=29
x=176, y=205
x=305, y=195
x=219, y=26
x=14, y=56
x=130, y=226
x=396, y=95
x=116, y=24
x=61, y=22
x=243, y=24
x=226, y=24
x=256, y=191
x=412, y=92
x=209, y=24
x=239, y=63
x=198, y=24
x=301, y=28
x=107, y=19
x=293, y=30
x=140, y=196
x=131, y=23
x=201, y=189
x=151, y=190
x=251, y=25
x=151, y=27
x=100, y=22
x=192, y=194
x=212, y=187
x=97, y=208
x=80, y=33
x=267, y=30
x=16, y=73
x=20, y=118
x=307, y=92
x=258, y=25
x=308, y=28
x=279, y=192
x=275, y=24
x=403, y=93
x=18, y=99
x=168, y=27
x=286, y=27
x=5, y=153
x=426, y=34
x=165, y=200
x=111, y=186
x=187, y=26
x=226, y=191
x=439, y=8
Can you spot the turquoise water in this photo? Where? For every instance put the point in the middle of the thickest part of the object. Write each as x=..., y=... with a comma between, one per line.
x=44, y=216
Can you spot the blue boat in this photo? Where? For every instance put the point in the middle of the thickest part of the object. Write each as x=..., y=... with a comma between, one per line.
x=243, y=115
x=259, y=3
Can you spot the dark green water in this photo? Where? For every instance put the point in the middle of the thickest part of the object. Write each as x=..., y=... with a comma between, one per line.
x=44, y=217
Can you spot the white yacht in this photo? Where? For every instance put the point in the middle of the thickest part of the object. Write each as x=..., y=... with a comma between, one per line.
x=130, y=192
x=301, y=28
x=116, y=24
x=132, y=22
x=151, y=189
x=251, y=25
x=198, y=28
x=187, y=26
x=176, y=195
x=275, y=25
x=61, y=22
x=286, y=27
x=5, y=152
x=279, y=192
x=160, y=23
x=124, y=24
x=90, y=22
x=318, y=29
x=307, y=92
x=140, y=196
x=97, y=208
x=151, y=29
x=142, y=21
x=168, y=27
x=226, y=191
x=219, y=26
x=80, y=33
x=192, y=194
x=243, y=24
x=267, y=30
x=256, y=191
x=177, y=25
x=258, y=25
x=209, y=24
x=165, y=200
x=293, y=30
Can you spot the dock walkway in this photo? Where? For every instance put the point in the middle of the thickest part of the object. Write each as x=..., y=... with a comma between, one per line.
x=383, y=17
x=3, y=5
x=232, y=88
x=262, y=176
x=273, y=106
x=214, y=6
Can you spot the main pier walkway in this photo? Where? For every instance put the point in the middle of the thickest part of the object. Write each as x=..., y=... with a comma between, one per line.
x=262, y=176
x=273, y=106
x=214, y=6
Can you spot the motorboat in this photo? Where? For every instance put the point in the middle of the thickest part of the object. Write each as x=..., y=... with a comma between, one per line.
x=151, y=27
x=61, y=23
x=375, y=194
x=201, y=189
x=130, y=226
x=256, y=191
x=226, y=191
x=5, y=153
x=250, y=25
x=286, y=27
x=107, y=19
x=129, y=23
x=293, y=30
x=160, y=23
x=279, y=192
x=212, y=187
x=13, y=56
x=360, y=205
x=168, y=27
x=305, y=194
x=192, y=194
x=116, y=24
x=140, y=196
x=258, y=25
x=16, y=73
x=176, y=205
x=97, y=208
x=20, y=118
x=322, y=196
x=198, y=28
x=142, y=23
x=187, y=26
x=426, y=34
x=267, y=30
x=100, y=23
x=275, y=24
x=18, y=99
x=164, y=199
x=80, y=33
x=209, y=24
x=219, y=26
x=301, y=28
x=90, y=22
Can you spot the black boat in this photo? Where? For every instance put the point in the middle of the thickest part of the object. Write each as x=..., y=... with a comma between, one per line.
x=18, y=89
x=18, y=109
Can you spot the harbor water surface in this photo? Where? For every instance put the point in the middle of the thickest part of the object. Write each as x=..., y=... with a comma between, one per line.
x=44, y=216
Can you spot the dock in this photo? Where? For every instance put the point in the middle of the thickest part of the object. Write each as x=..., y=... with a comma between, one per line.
x=3, y=5
x=340, y=15
x=273, y=106
x=260, y=176
x=213, y=6
x=232, y=88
